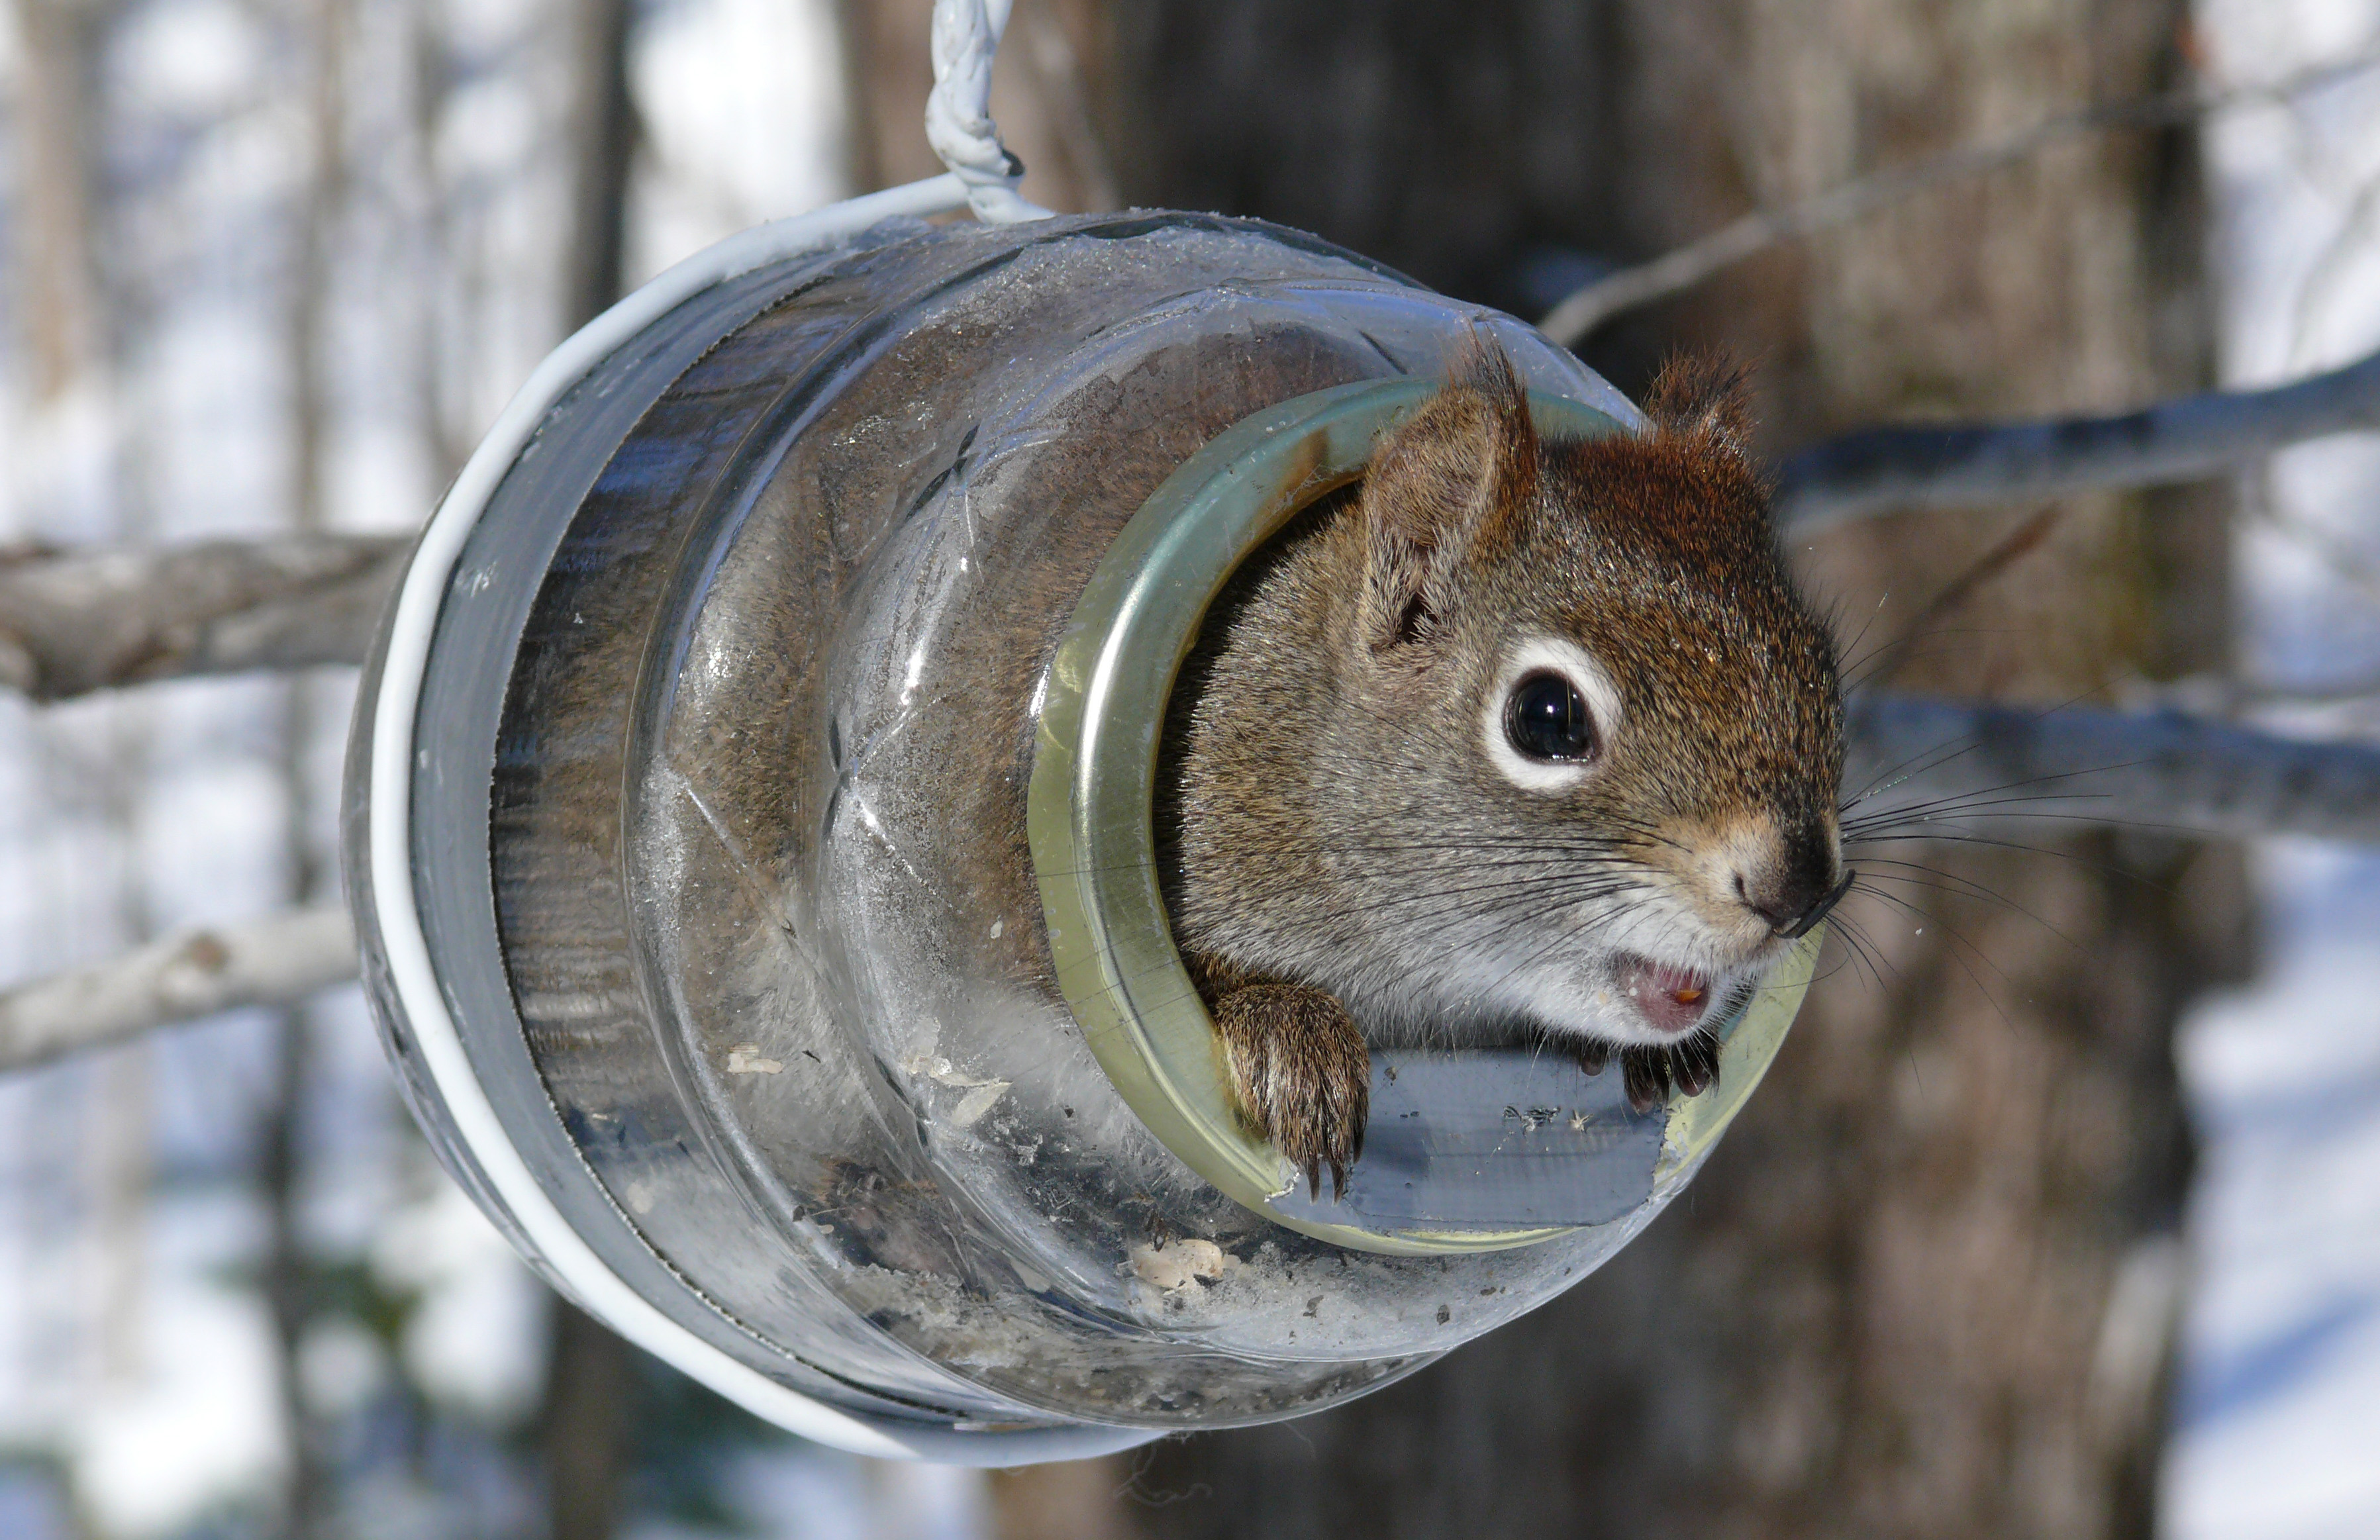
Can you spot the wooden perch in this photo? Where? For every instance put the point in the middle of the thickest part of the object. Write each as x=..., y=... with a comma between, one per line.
x=1964, y=767
x=276, y=961
x=91, y=620
x=2187, y=439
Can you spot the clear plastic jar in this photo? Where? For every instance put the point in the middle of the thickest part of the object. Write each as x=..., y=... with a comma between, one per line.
x=773, y=822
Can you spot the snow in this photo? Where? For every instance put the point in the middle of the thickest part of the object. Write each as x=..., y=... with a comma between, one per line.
x=199, y=1427
x=2277, y=1429
x=196, y=60
x=492, y=126
x=819, y=1495
x=2277, y=1422
x=729, y=147
x=478, y=1336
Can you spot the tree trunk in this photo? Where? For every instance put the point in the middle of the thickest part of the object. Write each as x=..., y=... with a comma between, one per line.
x=290, y=1277
x=603, y=147
x=1927, y=1286
x=57, y=148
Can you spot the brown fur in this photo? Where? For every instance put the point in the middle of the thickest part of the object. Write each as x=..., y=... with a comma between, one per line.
x=1348, y=862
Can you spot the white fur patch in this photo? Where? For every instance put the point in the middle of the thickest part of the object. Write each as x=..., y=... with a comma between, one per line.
x=1549, y=655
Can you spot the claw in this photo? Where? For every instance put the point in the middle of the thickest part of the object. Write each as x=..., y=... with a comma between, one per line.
x=1649, y=1079
x=1692, y=1066
x=1698, y=1057
x=1300, y=1077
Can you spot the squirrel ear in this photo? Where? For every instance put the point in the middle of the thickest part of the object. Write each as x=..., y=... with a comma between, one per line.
x=1703, y=395
x=1437, y=487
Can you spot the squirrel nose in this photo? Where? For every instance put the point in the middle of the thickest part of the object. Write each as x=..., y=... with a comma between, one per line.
x=1799, y=891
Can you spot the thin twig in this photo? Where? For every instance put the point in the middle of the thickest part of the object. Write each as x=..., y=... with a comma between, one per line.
x=2187, y=438
x=80, y=620
x=1589, y=307
x=277, y=961
x=2335, y=262
x=2012, y=548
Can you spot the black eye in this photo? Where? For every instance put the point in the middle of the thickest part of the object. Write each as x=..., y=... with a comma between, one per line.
x=1546, y=718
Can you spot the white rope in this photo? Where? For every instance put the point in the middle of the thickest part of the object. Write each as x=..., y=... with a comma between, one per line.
x=958, y=114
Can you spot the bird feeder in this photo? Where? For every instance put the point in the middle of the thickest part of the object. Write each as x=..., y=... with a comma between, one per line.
x=749, y=834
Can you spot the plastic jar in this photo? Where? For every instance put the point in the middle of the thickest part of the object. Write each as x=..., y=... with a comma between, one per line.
x=752, y=860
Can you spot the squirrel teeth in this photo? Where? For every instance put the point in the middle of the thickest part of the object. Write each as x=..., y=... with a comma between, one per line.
x=1670, y=999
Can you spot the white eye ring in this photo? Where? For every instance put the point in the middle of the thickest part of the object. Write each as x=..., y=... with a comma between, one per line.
x=1547, y=655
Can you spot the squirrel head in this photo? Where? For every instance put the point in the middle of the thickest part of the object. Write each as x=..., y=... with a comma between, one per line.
x=1527, y=730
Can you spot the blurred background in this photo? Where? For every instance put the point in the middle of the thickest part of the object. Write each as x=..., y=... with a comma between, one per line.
x=2058, y=1217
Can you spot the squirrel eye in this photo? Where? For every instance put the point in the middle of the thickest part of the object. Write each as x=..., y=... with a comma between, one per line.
x=1545, y=717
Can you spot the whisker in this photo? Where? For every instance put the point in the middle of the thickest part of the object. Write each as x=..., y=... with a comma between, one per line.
x=1859, y=944
x=1955, y=953
x=1954, y=838
x=1966, y=888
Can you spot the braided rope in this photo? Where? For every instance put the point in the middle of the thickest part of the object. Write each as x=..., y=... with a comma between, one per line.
x=958, y=114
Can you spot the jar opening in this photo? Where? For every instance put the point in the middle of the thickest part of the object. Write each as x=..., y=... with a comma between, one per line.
x=1467, y=1150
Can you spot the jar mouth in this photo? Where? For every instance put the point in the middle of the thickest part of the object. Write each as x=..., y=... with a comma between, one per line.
x=1091, y=829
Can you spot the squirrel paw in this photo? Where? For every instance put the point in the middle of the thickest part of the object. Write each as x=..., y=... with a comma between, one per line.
x=1692, y=1064
x=1300, y=1075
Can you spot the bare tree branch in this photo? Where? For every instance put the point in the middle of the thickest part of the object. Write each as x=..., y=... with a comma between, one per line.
x=272, y=961
x=1964, y=767
x=1937, y=769
x=2187, y=439
x=1672, y=272
x=91, y=620
x=1926, y=767
x=56, y=147
x=2227, y=696
x=75, y=622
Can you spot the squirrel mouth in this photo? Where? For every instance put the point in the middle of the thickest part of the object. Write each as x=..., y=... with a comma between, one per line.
x=1672, y=999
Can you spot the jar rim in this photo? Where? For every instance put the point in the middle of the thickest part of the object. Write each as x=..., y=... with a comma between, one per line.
x=1090, y=805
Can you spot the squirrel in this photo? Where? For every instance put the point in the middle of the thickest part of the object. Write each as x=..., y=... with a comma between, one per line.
x=1517, y=736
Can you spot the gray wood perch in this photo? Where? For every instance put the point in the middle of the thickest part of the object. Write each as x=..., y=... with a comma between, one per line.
x=80, y=620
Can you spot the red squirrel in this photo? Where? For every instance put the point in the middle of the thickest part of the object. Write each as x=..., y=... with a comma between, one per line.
x=1518, y=734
